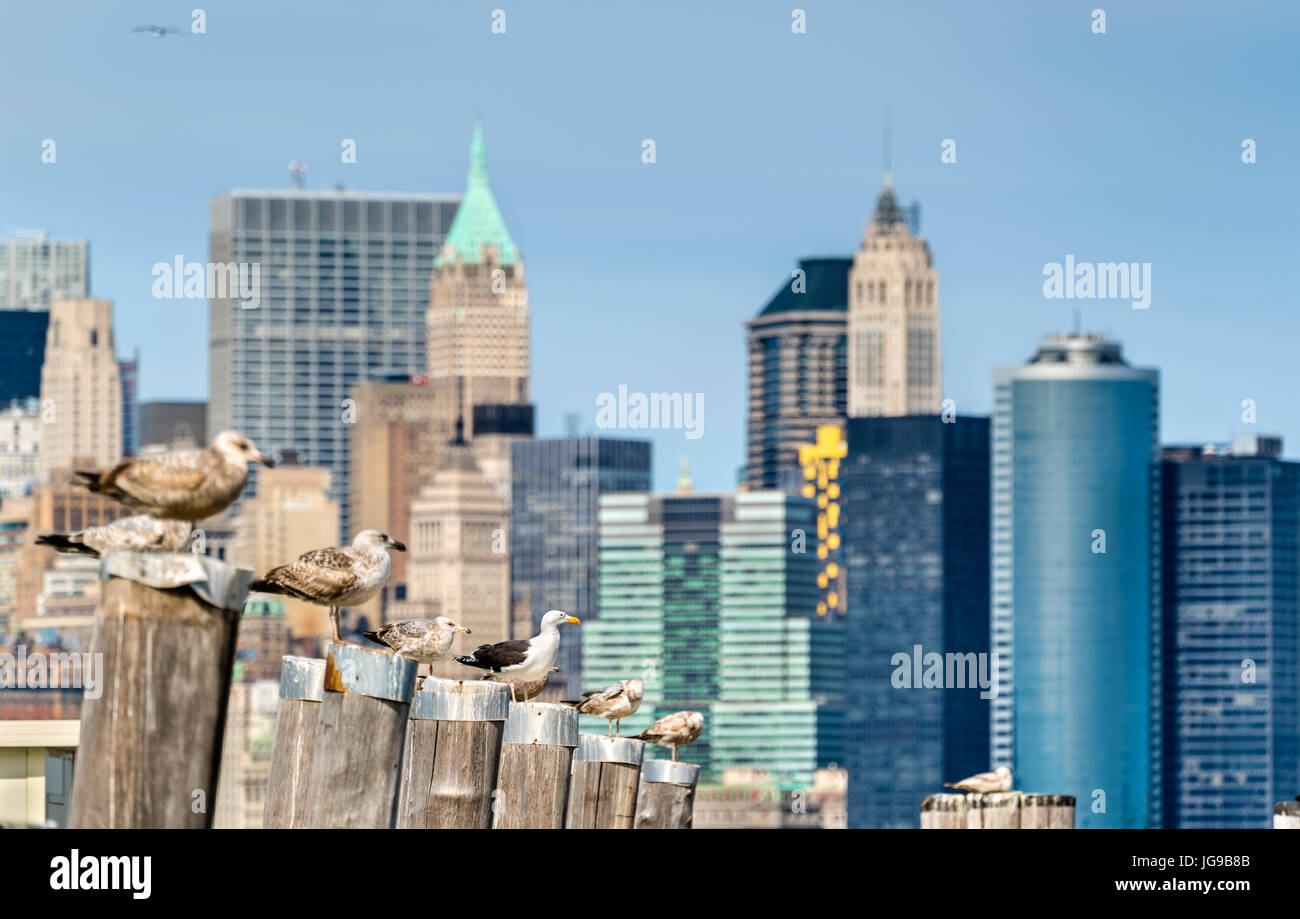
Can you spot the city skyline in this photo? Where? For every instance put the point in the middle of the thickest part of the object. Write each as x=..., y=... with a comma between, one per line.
x=1018, y=197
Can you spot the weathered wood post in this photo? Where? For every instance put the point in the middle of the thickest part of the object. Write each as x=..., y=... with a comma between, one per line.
x=536, y=756
x=1001, y=811
x=449, y=763
x=603, y=787
x=1286, y=815
x=358, y=755
x=164, y=645
x=302, y=687
x=667, y=799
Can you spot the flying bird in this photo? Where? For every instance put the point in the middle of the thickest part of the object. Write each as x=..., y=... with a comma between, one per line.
x=188, y=485
x=985, y=782
x=334, y=577
x=522, y=661
x=614, y=703
x=675, y=730
x=137, y=533
x=158, y=31
x=424, y=641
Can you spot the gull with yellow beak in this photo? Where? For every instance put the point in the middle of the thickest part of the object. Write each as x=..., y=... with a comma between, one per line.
x=522, y=661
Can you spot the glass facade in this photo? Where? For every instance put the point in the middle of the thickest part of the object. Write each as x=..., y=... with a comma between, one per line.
x=1076, y=585
x=707, y=600
x=344, y=290
x=35, y=271
x=22, y=352
x=555, y=489
x=915, y=543
x=1231, y=636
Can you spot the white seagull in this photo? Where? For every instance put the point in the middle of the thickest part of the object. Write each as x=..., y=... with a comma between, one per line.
x=424, y=641
x=615, y=702
x=334, y=577
x=181, y=485
x=985, y=783
x=137, y=533
x=675, y=730
x=522, y=661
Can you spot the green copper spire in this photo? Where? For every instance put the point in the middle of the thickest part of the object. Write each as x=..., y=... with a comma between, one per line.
x=478, y=221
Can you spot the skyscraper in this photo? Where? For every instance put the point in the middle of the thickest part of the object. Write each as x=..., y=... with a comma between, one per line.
x=894, y=356
x=798, y=370
x=554, y=562
x=1231, y=633
x=343, y=288
x=915, y=530
x=129, y=370
x=22, y=353
x=81, y=387
x=1075, y=584
x=478, y=303
x=174, y=424
x=38, y=270
x=709, y=600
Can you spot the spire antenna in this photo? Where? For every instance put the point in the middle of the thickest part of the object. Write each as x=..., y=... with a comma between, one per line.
x=887, y=151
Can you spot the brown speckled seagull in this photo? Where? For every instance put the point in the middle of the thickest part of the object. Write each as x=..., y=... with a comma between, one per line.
x=425, y=641
x=183, y=484
x=675, y=730
x=614, y=703
x=334, y=577
x=137, y=533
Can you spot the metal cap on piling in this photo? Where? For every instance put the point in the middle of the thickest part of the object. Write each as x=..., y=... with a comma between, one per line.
x=665, y=770
x=461, y=700
x=541, y=723
x=378, y=674
x=302, y=678
x=599, y=748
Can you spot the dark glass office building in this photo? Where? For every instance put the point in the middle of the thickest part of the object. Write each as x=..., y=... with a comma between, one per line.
x=555, y=490
x=915, y=529
x=1231, y=633
x=22, y=351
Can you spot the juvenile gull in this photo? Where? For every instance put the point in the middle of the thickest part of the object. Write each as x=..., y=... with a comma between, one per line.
x=127, y=534
x=529, y=690
x=334, y=577
x=675, y=730
x=985, y=782
x=614, y=703
x=181, y=485
x=522, y=661
x=424, y=641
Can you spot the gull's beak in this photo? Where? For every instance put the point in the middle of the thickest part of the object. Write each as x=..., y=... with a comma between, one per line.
x=394, y=544
x=574, y=619
x=266, y=461
x=461, y=628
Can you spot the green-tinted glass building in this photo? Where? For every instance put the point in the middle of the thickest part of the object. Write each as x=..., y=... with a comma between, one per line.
x=711, y=600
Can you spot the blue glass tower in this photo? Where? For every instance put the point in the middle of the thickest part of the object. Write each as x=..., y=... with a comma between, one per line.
x=1231, y=633
x=916, y=545
x=1075, y=578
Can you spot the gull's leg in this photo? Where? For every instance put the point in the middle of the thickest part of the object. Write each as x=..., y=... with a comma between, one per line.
x=618, y=727
x=512, y=691
x=611, y=728
x=674, y=753
x=337, y=624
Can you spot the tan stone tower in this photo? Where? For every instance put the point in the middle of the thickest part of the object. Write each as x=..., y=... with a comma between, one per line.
x=478, y=303
x=893, y=327
x=81, y=388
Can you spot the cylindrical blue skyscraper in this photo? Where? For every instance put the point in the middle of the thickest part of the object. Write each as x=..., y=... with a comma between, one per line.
x=1075, y=590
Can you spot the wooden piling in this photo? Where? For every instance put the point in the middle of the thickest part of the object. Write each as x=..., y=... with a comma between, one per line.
x=362, y=725
x=1286, y=815
x=536, y=757
x=667, y=798
x=449, y=762
x=603, y=786
x=1002, y=811
x=164, y=636
x=302, y=688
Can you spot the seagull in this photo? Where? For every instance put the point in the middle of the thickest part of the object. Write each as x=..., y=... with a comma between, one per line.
x=675, y=730
x=424, y=641
x=158, y=31
x=614, y=703
x=189, y=484
x=522, y=661
x=527, y=691
x=137, y=533
x=334, y=577
x=985, y=782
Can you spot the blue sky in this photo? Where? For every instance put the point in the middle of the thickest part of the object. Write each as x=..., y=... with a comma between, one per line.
x=1117, y=147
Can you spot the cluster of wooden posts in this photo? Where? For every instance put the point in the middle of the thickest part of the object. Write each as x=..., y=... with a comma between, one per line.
x=357, y=743
x=1009, y=810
